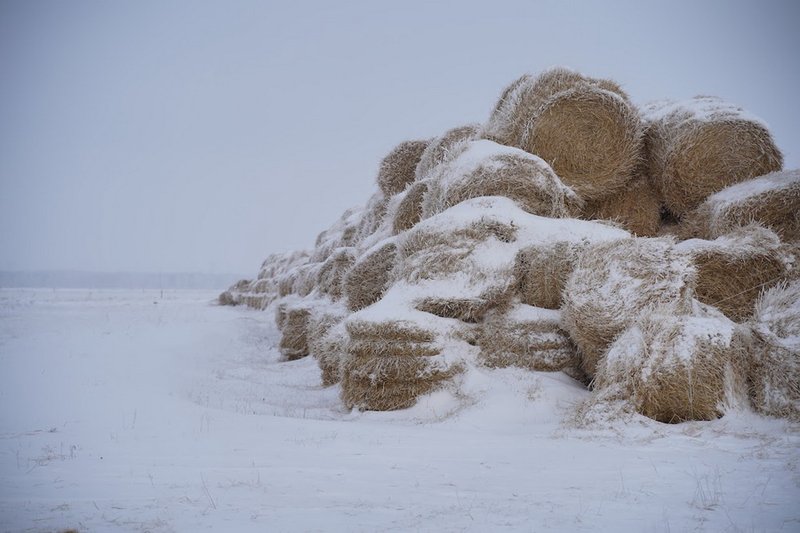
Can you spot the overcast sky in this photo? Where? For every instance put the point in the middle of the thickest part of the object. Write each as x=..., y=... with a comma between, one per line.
x=201, y=136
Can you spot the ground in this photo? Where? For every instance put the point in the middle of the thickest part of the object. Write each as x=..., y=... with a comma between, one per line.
x=150, y=411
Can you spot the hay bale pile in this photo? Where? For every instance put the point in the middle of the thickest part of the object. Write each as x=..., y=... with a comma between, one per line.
x=653, y=255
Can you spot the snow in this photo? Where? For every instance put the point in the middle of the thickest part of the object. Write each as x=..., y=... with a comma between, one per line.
x=741, y=192
x=699, y=108
x=128, y=411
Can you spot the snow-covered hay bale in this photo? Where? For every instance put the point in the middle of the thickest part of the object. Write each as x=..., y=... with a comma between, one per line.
x=442, y=149
x=286, y=283
x=613, y=283
x=371, y=219
x=226, y=298
x=772, y=200
x=542, y=270
x=733, y=269
x=409, y=210
x=674, y=368
x=294, y=338
x=391, y=363
x=636, y=207
x=526, y=337
x=330, y=351
x=700, y=146
x=366, y=282
x=585, y=128
x=485, y=168
x=466, y=309
x=775, y=365
x=330, y=279
x=398, y=168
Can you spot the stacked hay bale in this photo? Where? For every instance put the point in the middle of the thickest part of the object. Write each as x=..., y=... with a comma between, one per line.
x=366, y=282
x=676, y=367
x=399, y=168
x=391, y=363
x=772, y=200
x=775, y=364
x=485, y=168
x=542, y=270
x=444, y=148
x=734, y=269
x=698, y=147
x=613, y=283
x=586, y=129
x=292, y=318
x=527, y=337
x=409, y=210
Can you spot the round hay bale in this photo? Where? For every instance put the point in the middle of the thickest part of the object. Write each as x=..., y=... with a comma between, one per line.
x=372, y=219
x=636, y=207
x=592, y=138
x=399, y=167
x=733, y=269
x=676, y=368
x=701, y=146
x=366, y=282
x=294, y=340
x=526, y=337
x=585, y=128
x=442, y=149
x=485, y=168
x=409, y=211
x=772, y=200
x=614, y=282
x=775, y=366
x=330, y=278
x=226, y=298
x=541, y=271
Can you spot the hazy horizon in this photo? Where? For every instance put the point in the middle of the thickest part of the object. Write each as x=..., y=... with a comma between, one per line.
x=202, y=136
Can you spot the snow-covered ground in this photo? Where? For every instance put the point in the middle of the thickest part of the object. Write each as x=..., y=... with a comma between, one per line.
x=137, y=411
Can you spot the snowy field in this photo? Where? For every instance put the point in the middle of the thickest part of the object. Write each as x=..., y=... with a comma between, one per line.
x=142, y=411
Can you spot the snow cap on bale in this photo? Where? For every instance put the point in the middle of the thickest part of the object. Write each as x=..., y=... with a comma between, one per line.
x=775, y=364
x=585, y=128
x=772, y=200
x=733, y=269
x=614, y=282
x=527, y=337
x=485, y=168
x=366, y=282
x=700, y=146
x=444, y=148
x=398, y=168
x=636, y=207
x=674, y=368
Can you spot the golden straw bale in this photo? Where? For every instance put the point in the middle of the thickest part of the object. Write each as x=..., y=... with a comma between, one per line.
x=585, y=128
x=775, y=366
x=366, y=282
x=485, y=168
x=733, y=269
x=442, y=149
x=636, y=207
x=541, y=271
x=330, y=279
x=398, y=168
x=616, y=281
x=294, y=340
x=526, y=337
x=701, y=146
x=772, y=200
x=674, y=368
x=409, y=211
x=376, y=395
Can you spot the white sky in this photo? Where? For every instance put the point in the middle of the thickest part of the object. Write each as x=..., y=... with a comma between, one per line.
x=201, y=136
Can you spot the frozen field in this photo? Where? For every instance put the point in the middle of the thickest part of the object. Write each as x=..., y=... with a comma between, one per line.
x=137, y=411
